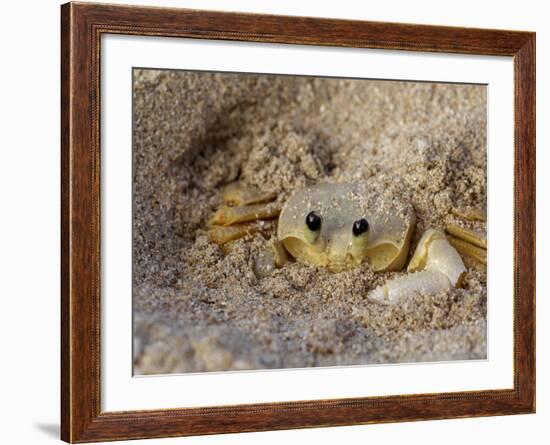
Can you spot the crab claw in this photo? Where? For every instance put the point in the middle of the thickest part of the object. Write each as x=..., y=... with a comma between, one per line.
x=435, y=266
x=397, y=289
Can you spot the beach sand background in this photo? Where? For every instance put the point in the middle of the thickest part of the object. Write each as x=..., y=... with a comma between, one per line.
x=198, y=309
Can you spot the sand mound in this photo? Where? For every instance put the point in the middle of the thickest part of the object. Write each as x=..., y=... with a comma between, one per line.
x=197, y=309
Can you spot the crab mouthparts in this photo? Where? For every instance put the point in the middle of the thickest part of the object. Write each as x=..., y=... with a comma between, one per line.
x=339, y=258
x=341, y=264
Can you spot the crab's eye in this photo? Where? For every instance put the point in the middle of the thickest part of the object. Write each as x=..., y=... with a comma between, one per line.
x=313, y=221
x=360, y=226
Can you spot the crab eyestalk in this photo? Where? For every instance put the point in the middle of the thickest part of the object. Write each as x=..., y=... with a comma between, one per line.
x=360, y=238
x=313, y=227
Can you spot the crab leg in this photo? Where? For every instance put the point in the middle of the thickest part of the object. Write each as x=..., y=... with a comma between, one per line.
x=435, y=266
x=224, y=234
x=471, y=213
x=469, y=242
x=232, y=215
x=468, y=249
x=238, y=195
x=245, y=208
x=471, y=236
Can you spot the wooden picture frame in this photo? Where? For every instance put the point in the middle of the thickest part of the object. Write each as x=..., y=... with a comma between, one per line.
x=82, y=25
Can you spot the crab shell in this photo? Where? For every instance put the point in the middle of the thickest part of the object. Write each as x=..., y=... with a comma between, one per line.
x=385, y=244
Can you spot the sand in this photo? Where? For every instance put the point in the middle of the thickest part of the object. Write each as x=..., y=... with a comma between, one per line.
x=198, y=309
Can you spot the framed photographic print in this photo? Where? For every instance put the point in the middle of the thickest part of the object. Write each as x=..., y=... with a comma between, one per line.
x=275, y=222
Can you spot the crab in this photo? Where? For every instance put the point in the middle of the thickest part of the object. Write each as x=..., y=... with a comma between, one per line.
x=339, y=226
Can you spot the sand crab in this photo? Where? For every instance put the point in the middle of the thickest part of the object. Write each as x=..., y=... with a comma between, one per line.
x=339, y=226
